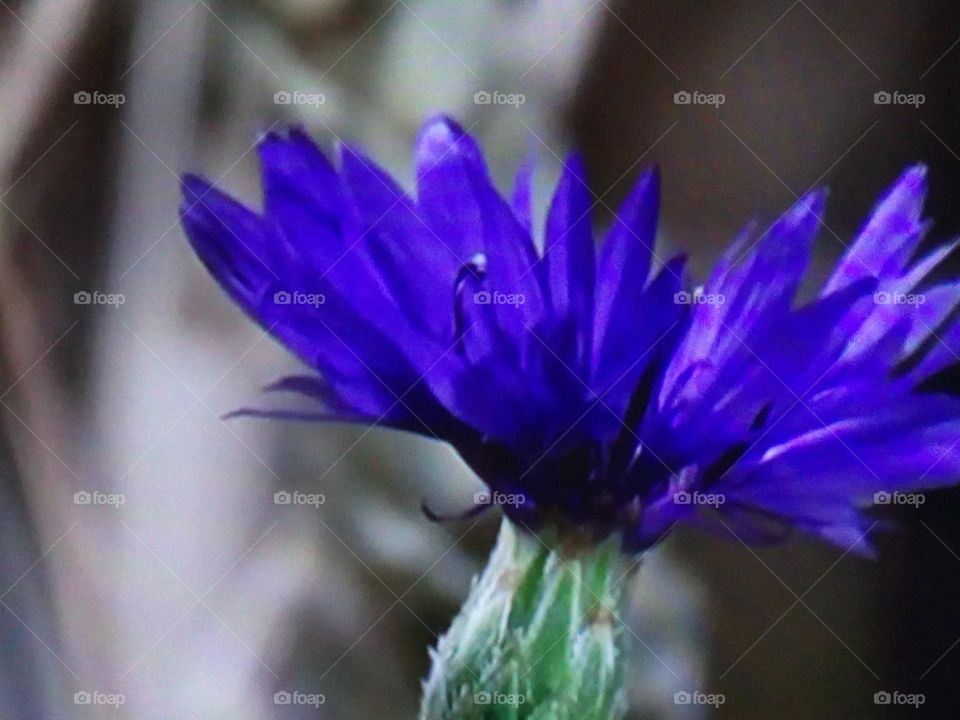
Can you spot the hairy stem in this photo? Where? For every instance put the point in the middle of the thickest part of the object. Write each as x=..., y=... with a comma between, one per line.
x=538, y=637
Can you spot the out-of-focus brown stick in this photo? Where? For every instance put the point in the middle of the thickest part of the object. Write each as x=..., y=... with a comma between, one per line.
x=46, y=38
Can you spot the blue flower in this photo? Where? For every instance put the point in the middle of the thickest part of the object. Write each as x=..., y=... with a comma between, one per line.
x=594, y=389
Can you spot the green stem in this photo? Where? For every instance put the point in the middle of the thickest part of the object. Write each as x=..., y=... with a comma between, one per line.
x=539, y=637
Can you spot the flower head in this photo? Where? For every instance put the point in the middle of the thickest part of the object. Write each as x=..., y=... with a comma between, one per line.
x=591, y=384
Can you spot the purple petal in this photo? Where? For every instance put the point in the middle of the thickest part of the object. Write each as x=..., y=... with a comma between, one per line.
x=891, y=235
x=569, y=255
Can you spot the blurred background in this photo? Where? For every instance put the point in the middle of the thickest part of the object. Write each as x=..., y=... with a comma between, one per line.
x=147, y=567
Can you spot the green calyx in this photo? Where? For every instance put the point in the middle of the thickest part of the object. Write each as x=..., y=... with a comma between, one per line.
x=539, y=637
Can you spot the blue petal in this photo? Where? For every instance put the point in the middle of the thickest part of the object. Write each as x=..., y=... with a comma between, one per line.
x=417, y=267
x=753, y=290
x=891, y=235
x=297, y=173
x=634, y=343
x=228, y=238
x=569, y=255
x=450, y=168
x=522, y=200
x=625, y=260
